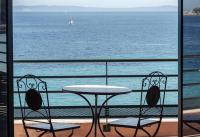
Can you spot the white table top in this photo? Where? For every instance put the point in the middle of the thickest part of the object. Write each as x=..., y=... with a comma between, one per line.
x=96, y=89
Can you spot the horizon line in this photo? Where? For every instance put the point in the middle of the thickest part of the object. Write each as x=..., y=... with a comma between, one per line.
x=96, y=7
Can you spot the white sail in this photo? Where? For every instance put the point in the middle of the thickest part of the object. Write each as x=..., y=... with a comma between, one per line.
x=71, y=21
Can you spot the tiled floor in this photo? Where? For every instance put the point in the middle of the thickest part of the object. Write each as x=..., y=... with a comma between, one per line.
x=168, y=129
x=187, y=132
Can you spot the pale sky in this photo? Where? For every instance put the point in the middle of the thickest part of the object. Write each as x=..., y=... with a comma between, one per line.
x=100, y=3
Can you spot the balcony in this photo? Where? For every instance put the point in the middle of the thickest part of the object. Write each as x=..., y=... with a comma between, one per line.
x=109, y=74
x=106, y=77
x=80, y=60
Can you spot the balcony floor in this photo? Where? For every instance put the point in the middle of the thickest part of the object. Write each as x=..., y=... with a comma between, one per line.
x=168, y=129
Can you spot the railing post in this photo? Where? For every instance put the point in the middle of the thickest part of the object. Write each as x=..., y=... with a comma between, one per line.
x=106, y=72
x=106, y=127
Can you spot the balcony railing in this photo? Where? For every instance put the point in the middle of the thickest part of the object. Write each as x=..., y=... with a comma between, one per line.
x=170, y=110
x=191, y=70
x=191, y=85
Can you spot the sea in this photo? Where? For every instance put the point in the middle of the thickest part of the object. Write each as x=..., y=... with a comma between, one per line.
x=191, y=47
x=96, y=35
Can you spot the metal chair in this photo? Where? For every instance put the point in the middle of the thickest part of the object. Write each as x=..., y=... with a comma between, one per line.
x=151, y=106
x=36, y=103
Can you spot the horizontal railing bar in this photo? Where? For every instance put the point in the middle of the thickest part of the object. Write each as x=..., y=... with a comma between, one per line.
x=192, y=56
x=111, y=106
x=96, y=76
x=2, y=62
x=170, y=90
x=192, y=70
x=191, y=98
x=95, y=60
x=57, y=91
x=118, y=116
x=1, y=52
x=86, y=117
x=2, y=42
x=191, y=84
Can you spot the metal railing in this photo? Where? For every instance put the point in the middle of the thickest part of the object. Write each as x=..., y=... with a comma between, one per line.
x=191, y=102
x=191, y=70
x=116, y=110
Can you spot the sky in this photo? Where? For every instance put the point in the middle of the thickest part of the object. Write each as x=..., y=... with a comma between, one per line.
x=190, y=4
x=99, y=3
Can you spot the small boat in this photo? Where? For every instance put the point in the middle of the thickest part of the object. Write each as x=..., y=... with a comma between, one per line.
x=71, y=21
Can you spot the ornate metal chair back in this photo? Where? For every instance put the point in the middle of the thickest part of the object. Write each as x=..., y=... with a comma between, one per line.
x=153, y=95
x=33, y=98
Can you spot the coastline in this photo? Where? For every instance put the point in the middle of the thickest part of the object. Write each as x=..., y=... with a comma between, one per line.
x=191, y=14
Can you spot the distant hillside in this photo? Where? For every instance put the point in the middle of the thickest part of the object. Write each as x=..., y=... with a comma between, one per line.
x=88, y=9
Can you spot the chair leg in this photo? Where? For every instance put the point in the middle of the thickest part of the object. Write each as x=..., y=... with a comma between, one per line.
x=53, y=132
x=70, y=135
x=156, y=130
x=146, y=132
x=135, y=134
x=42, y=133
x=26, y=131
x=118, y=132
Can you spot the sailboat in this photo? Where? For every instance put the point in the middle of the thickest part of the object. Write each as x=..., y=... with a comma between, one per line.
x=71, y=21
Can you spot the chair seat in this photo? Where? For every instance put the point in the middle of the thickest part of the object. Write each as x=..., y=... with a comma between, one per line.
x=191, y=118
x=132, y=122
x=56, y=126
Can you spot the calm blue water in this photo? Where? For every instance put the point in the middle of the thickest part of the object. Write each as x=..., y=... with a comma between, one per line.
x=192, y=46
x=96, y=36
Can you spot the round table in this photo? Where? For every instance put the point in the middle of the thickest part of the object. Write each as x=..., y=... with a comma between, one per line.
x=96, y=90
